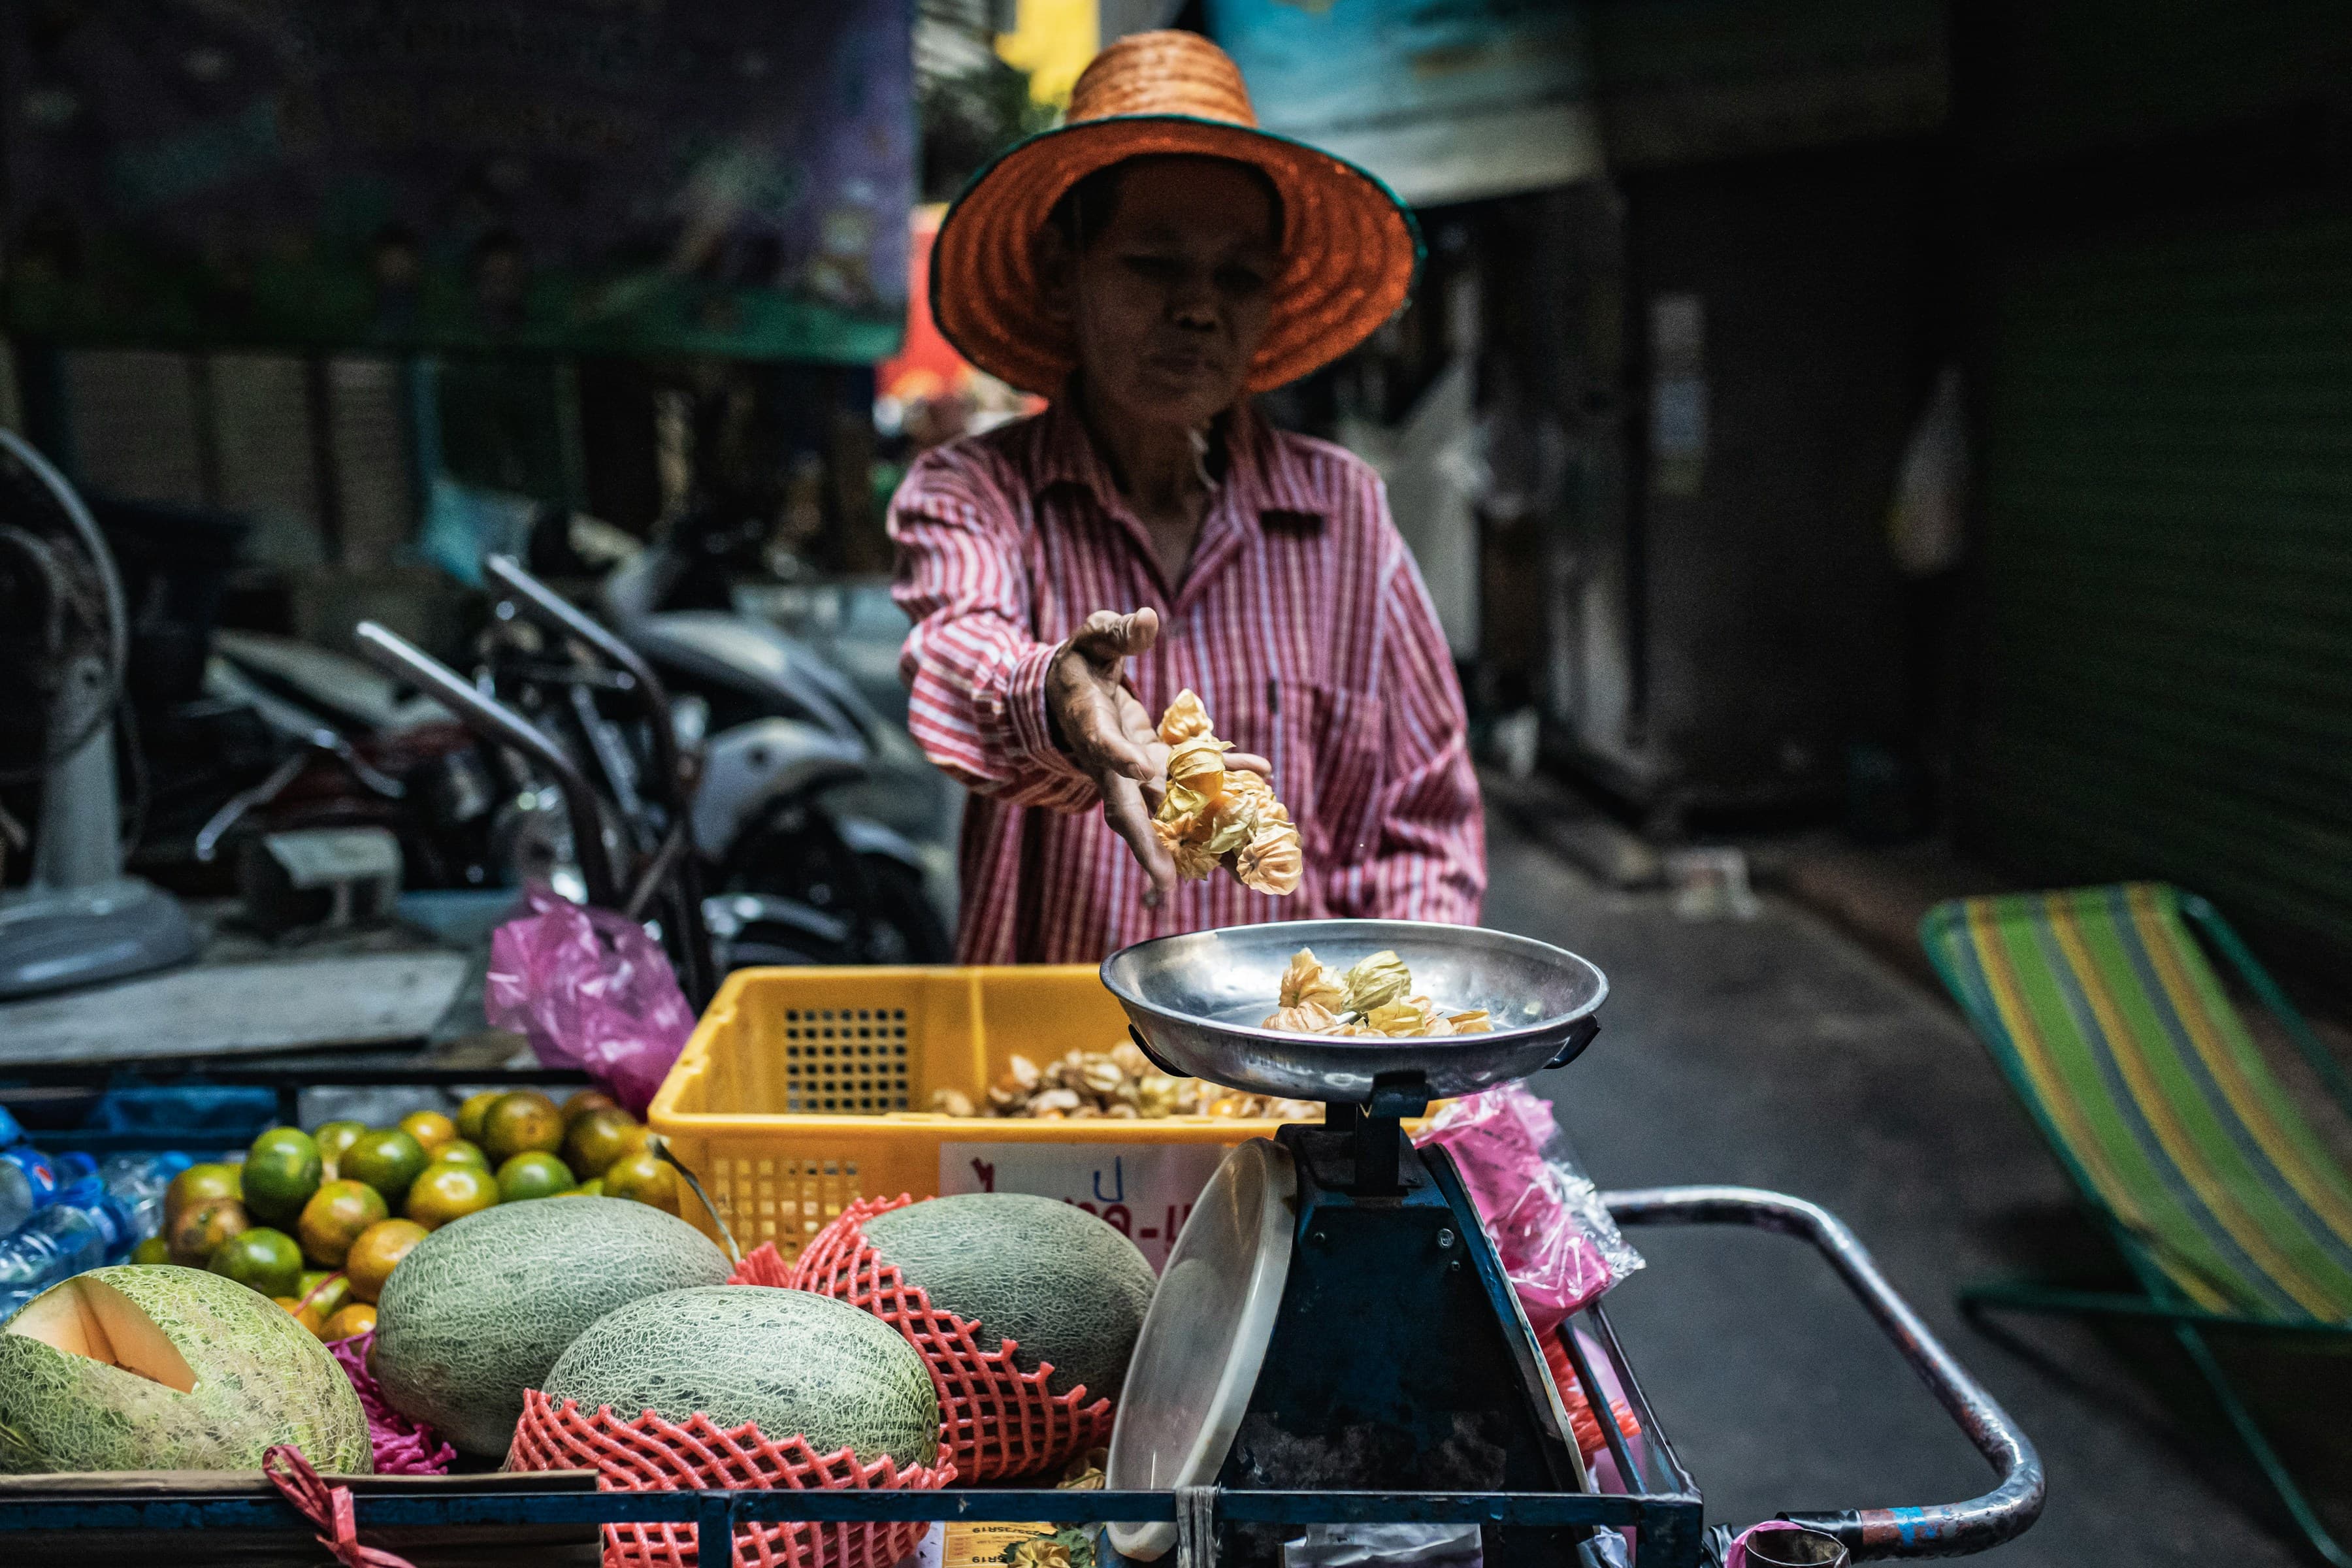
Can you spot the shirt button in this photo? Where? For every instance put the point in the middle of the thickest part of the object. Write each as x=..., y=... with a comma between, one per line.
x=1175, y=625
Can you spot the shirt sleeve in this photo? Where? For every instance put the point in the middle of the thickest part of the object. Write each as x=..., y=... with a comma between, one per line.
x=1429, y=862
x=974, y=668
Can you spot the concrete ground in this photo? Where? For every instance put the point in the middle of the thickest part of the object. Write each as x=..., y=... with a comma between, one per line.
x=1777, y=1053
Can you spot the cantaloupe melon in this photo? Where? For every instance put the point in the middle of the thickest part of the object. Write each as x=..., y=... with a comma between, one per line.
x=1065, y=1287
x=163, y=1368
x=482, y=1308
x=788, y=1361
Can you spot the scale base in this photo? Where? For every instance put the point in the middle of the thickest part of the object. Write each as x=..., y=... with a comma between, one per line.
x=1400, y=1359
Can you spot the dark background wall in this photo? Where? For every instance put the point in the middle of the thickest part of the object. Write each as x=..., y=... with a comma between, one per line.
x=2163, y=659
x=1767, y=623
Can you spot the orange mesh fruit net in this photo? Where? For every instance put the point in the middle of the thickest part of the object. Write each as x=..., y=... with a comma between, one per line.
x=995, y=1420
x=649, y=1453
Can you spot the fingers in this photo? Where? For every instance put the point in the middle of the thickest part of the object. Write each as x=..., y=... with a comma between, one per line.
x=1145, y=755
x=1108, y=636
x=1123, y=808
x=1249, y=763
x=1098, y=719
x=1102, y=741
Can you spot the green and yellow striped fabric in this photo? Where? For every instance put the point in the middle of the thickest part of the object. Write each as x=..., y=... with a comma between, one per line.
x=2100, y=1007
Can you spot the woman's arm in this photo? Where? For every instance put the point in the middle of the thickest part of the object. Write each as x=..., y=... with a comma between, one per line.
x=1034, y=723
x=976, y=674
x=1429, y=861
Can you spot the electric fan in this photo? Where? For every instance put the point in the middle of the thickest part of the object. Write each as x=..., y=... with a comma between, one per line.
x=63, y=636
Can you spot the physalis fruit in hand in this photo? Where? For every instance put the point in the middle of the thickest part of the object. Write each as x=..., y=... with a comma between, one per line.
x=1213, y=817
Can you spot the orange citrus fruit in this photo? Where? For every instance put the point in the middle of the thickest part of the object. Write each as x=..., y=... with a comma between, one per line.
x=430, y=1128
x=533, y=1175
x=598, y=1137
x=387, y=1160
x=460, y=1152
x=518, y=1123
x=200, y=1229
x=334, y=1217
x=261, y=1259
x=470, y=1113
x=281, y=1171
x=356, y=1319
x=333, y=1137
x=324, y=1293
x=307, y=1313
x=579, y=1105
x=643, y=1178
x=198, y=1184
x=378, y=1251
x=449, y=1190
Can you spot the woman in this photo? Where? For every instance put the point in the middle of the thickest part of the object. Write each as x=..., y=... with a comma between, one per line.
x=1148, y=265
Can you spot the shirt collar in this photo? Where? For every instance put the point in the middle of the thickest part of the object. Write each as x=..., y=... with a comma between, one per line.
x=1263, y=472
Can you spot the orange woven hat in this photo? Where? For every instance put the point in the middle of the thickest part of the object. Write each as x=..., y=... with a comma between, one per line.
x=1350, y=249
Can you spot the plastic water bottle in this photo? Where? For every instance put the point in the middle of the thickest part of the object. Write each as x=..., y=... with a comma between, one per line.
x=39, y=1172
x=72, y=1166
x=117, y=1223
x=19, y=1194
x=84, y=1226
x=137, y=1182
x=57, y=1243
x=16, y=1196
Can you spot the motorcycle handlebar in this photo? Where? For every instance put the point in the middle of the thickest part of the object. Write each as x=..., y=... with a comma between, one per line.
x=556, y=613
x=402, y=659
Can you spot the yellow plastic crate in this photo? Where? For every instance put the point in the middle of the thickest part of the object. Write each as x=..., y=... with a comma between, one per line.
x=802, y=1090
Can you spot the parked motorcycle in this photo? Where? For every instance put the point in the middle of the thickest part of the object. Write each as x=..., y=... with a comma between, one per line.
x=792, y=878
x=284, y=735
x=808, y=792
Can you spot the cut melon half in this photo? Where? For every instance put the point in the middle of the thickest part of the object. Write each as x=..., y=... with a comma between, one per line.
x=90, y=1318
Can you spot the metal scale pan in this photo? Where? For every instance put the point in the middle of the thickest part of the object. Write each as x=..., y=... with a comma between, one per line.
x=1333, y=1315
x=1197, y=1001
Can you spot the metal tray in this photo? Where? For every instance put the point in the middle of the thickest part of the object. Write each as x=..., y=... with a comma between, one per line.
x=1196, y=1002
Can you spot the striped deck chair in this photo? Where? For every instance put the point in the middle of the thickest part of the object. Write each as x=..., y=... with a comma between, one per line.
x=2116, y=1032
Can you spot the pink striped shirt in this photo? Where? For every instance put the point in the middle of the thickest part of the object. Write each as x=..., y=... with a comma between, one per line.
x=1302, y=623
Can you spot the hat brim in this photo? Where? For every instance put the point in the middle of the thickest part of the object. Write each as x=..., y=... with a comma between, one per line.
x=1351, y=250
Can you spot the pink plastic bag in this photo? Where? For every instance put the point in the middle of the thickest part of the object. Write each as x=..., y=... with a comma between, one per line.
x=403, y=1447
x=1556, y=1239
x=592, y=990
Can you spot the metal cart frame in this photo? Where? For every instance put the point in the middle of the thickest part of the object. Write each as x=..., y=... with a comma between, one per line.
x=1664, y=1507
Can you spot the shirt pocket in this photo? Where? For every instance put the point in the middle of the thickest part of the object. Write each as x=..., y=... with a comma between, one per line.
x=1327, y=759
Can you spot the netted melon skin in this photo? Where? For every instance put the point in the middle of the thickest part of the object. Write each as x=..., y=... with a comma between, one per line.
x=480, y=1309
x=262, y=1379
x=1063, y=1284
x=788, y=1361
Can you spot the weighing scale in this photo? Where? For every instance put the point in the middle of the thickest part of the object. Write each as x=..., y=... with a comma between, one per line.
x=1333, y=1315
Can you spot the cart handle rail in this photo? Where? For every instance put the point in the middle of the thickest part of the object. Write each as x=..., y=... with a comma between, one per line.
x=1941, y=1530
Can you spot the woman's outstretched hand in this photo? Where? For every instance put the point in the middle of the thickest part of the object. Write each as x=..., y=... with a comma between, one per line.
x=1097, y=720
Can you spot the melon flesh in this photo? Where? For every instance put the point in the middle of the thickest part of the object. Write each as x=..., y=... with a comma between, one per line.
x=90, y=1318
x=160, y=1368
x=1064, y=1286
x=791, y=1363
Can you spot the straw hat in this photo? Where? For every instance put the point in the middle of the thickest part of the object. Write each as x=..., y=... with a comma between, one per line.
x=1351, y=249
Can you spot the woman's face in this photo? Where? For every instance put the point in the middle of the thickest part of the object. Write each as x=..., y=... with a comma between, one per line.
x=1168, y=301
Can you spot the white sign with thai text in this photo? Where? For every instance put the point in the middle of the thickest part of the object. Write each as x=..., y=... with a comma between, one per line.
x=1144, y=1190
